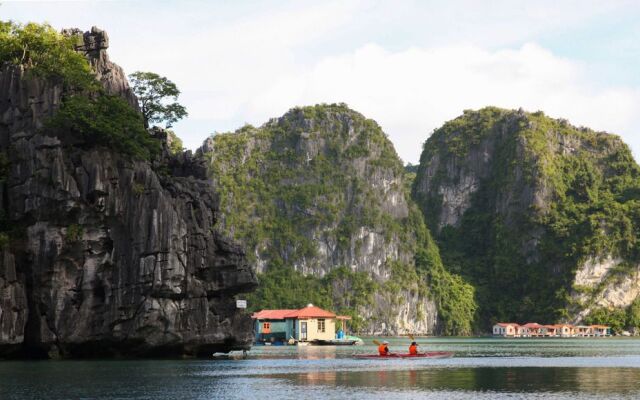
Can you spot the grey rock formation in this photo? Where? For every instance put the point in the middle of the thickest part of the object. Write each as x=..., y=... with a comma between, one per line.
x=504, y=193
x=107, y=255
x=94, y=45
x=351, y=207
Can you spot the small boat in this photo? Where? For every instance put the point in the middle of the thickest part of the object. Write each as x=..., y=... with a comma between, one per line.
x=430, y=354
x=334, y=342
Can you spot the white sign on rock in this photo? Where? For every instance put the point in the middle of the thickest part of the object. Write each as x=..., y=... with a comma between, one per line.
x=241, y=304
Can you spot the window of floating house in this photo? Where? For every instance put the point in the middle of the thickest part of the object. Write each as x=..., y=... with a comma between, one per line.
x=266, y=327
x=321, y=327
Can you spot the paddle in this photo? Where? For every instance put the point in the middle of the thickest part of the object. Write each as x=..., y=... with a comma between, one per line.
x=413, y=339
x=377, y=343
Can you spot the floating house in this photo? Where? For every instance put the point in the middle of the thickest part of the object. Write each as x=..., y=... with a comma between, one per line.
x=308, y=324
x=534, y=329
x=549, y=330
x=565, y=330
x=582, y=330
x=506, y=329
x=600, y=330
x=270, y=326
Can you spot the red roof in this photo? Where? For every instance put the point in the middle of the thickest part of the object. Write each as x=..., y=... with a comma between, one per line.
x=271, y=314
x=306, y=312
x=310, y=312
x=532, y=325
x=507, y=324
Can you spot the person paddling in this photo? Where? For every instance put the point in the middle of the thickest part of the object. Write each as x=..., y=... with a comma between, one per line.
x=383, y=349
x=413, y=349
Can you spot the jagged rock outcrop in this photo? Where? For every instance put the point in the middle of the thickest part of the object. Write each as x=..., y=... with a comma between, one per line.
x=541, y=216
x=107, y=255
x=604, y=283
x=321, y=191
x=94, y=45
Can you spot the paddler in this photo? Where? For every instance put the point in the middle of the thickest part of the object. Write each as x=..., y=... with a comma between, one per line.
x=383, y=349
x=413, y=349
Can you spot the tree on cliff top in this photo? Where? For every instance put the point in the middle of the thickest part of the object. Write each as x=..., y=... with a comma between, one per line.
x=45, y=53
x=152, y=91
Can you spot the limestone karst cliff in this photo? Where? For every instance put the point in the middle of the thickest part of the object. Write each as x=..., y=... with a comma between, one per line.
x=541, y=216
x=320, y=199
x=104, y=254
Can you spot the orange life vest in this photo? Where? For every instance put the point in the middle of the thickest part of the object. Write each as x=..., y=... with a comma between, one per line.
x=383, y=350
x=413, y=349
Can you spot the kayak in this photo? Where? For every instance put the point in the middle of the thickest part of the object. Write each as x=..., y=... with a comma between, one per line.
x=432, y=354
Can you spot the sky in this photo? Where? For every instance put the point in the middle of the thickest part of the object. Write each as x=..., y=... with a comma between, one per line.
x=409, y=65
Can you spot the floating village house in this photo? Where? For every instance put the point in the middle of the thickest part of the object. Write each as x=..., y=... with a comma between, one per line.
x=505, y=329
x=307, y=324
x=533, y=329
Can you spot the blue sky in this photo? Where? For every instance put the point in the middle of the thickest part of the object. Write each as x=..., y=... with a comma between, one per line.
x=410, y=65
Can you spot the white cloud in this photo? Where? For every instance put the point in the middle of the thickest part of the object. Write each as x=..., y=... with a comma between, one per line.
x=411, y=92
x=410, y=65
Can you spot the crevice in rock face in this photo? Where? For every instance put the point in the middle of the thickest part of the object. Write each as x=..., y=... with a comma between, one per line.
x=31, y=347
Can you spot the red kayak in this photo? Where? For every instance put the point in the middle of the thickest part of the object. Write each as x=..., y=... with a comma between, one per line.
x=432, y=354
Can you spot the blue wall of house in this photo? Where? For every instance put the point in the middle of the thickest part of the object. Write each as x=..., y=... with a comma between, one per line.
x=290, y=329
x=278, y=330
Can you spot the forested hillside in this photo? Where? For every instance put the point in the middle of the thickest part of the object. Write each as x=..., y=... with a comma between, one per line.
x=542, y=217
x=320, y=199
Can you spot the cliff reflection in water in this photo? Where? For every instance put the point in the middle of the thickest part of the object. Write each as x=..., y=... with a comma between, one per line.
x=524, y=379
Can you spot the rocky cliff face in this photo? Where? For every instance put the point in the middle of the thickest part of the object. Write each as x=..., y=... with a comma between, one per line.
x=605, y=283
x=541, y=216
x=107, y=255
x=321, y=189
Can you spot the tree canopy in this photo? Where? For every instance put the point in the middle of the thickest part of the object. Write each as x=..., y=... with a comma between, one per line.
x=45, y=53
x=153, y=91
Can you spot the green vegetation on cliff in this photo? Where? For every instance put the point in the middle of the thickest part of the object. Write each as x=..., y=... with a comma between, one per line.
x=45, y=53
x=322, y=188
x=104, y=120
x=86, y=111
x=549, y=197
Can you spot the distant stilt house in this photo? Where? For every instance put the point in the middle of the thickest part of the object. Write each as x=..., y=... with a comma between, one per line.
x=565, y=330
x=534, y=329
x=600, y=330
x=582, y=330
x=506, y=329
x=549, y=330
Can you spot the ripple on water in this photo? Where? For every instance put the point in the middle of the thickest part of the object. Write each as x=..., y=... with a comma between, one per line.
x=481, y=369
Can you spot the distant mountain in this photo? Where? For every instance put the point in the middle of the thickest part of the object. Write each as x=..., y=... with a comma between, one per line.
x=321, y=202
x=542, y=217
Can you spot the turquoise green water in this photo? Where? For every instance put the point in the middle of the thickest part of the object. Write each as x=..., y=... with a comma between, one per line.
x=481, y=368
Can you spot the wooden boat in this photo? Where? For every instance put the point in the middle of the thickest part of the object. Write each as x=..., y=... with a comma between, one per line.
x=429, y=354
x=334, y=342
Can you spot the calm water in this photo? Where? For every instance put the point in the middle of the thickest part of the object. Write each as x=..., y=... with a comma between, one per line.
x=481, y=368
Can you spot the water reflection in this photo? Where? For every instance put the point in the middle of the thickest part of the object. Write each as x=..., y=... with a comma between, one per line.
x=511, y=380
x=297, y=353
x=480, y=369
